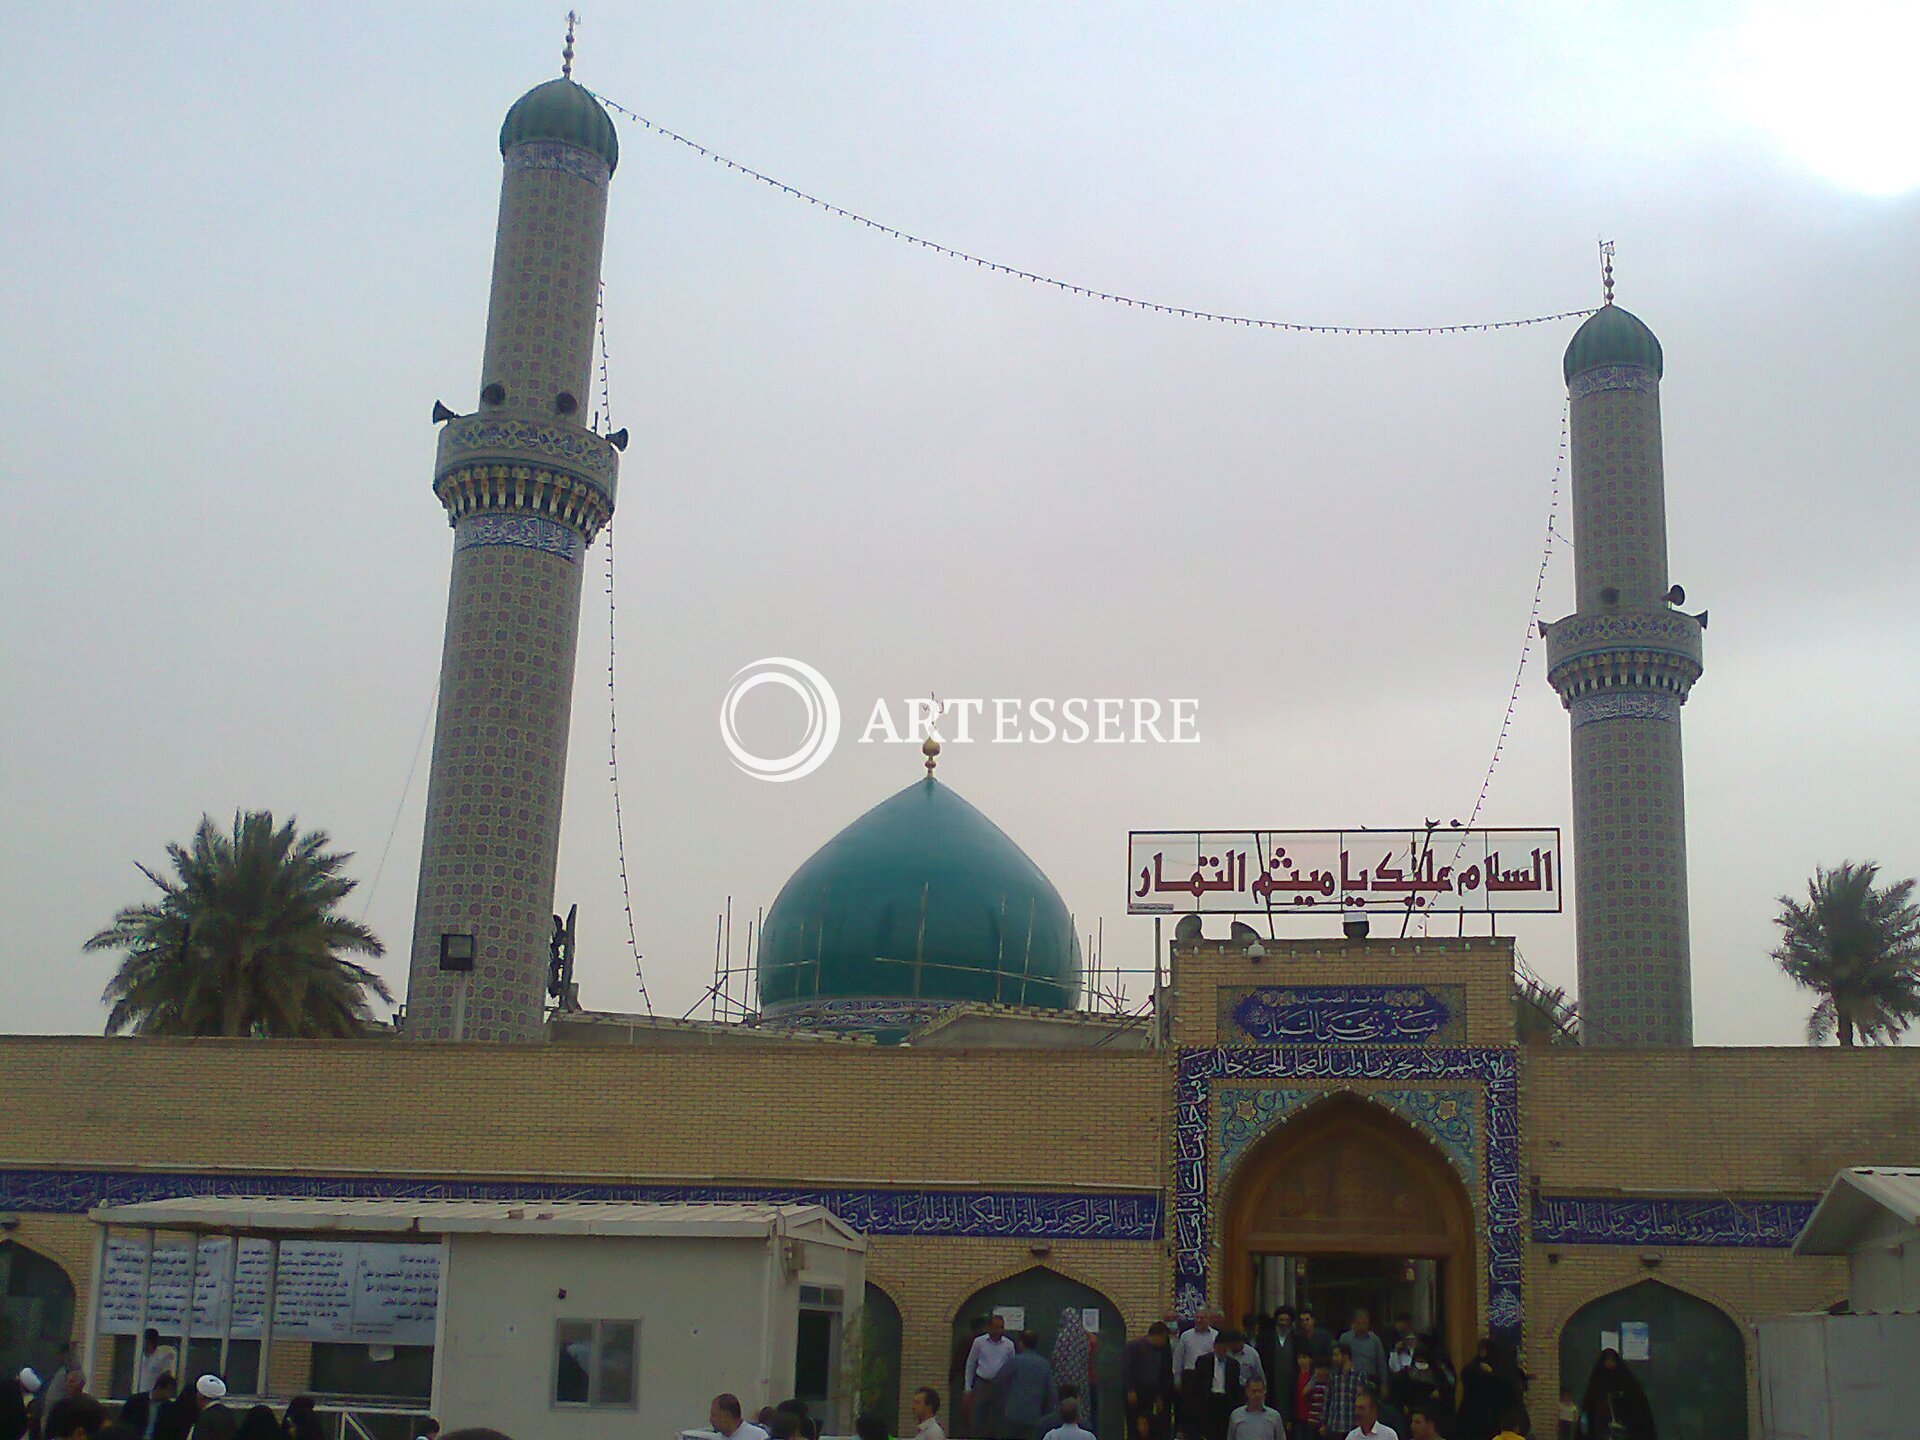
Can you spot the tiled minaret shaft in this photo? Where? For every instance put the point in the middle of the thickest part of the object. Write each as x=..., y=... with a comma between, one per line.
x=1623, y=664
x=526, y=486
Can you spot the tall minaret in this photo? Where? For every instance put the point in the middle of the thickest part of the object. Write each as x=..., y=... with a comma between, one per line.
x=526, y=486
x=1623, y=663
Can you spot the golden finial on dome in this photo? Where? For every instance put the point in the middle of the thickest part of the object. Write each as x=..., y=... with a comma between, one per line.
x=566, y=55
x=1606, y=270
x=930, y=747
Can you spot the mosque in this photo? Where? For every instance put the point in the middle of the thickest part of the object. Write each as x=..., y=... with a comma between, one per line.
x=1345, y=1121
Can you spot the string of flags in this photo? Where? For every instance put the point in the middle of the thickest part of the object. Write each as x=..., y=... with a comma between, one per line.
x=1533, y=618
x=613, y=694
x=1532, y=630
x=1086, y=292
x=1132, y=302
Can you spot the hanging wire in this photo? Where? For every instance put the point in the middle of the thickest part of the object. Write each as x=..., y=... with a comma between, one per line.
x=1533, y=623
x=604, y=412
x=603, y=406
x=1084, y=291
x=1526, y=642
x=406, y=789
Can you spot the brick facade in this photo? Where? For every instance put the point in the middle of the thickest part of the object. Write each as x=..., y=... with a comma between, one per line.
x=1749, y=1126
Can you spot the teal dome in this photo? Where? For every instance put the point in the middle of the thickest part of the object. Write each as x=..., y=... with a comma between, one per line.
x=922, y=899
x=561, y=110
x=1613, y=336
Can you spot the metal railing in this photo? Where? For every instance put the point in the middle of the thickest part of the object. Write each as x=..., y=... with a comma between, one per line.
x=348, y=1420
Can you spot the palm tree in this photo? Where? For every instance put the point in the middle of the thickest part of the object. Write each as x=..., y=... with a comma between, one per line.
x=1857, y=945
x=243, y=940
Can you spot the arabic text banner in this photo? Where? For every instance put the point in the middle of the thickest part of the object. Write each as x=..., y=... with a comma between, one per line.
x=364, y=1291
x=1350, y=872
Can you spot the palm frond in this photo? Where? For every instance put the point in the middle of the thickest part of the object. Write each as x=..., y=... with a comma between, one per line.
x=244, y=939
x=1856, y=945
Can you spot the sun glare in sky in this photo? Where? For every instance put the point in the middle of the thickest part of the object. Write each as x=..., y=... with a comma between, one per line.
x=1835, y=86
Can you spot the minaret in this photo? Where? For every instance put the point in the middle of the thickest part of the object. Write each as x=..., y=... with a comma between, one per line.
x=526, y=487
x=1623, y=663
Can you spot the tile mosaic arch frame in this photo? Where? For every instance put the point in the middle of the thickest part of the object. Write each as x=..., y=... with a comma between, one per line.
x=1207, y=1077
x=1443, y=1114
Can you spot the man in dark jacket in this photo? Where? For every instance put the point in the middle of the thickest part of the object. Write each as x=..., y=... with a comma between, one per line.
x=1284, y=1364
x=1146, y=1375
x=144, y=1414
x=1214, y=1390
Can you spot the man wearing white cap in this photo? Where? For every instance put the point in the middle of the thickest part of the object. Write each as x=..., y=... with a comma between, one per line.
x=15, y=1396
x=216, y=1421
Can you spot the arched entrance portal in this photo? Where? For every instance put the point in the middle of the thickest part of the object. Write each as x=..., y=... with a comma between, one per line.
x=1695, y=1370
x=1347, y=1205
x=36, y=1309
x=1036, y=1300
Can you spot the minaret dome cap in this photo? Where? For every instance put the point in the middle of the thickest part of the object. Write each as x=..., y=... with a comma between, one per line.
x=564, y=111
x=1613, y=336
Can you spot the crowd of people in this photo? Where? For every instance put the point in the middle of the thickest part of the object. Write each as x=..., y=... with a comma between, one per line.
x=1277, y=1376
x=160, y=1408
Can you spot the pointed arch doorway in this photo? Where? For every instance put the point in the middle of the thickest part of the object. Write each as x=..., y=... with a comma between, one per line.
x=1041, y=1299
x=1345, y=1206
x=1694, y=1366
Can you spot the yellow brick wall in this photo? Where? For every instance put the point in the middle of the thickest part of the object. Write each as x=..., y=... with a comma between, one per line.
x=1750, y=1123
x=768, y=1113
x=797, y=1112
x=1753, y=1122
x=1483, y=965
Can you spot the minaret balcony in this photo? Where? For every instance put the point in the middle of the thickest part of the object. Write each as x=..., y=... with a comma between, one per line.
x=1653, y=651
x=492, y=462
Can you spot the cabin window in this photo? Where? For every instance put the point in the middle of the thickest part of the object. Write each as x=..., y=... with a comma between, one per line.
x=595, y=1363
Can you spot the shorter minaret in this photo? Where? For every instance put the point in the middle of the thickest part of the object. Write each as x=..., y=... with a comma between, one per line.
x=1623, y=664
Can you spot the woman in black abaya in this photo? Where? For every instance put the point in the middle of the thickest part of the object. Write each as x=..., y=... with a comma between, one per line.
x=1615, y=1407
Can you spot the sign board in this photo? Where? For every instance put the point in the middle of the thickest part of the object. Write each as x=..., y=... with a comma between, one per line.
x=1014, y=1315
x=1636, y=1340
x=354, y=1291
x=1343, y=872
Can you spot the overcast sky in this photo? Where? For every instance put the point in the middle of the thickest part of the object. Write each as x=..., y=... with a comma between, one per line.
x=246, y=248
